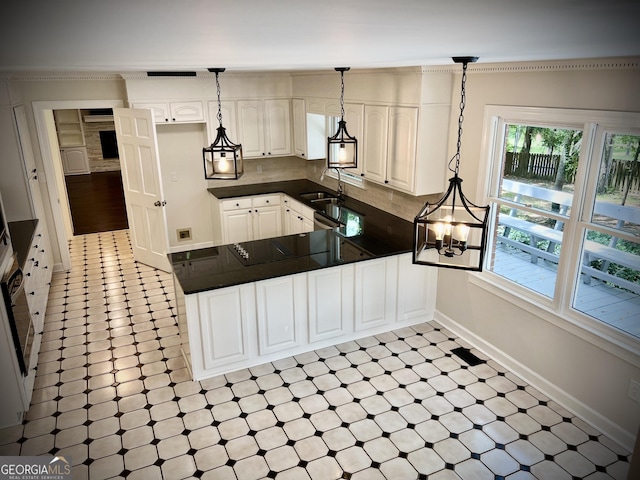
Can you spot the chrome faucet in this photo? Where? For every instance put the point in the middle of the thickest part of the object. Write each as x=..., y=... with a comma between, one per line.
x=340, y=184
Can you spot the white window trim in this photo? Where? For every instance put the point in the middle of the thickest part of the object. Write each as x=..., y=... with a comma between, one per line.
x=556, y=311
x=349, y=178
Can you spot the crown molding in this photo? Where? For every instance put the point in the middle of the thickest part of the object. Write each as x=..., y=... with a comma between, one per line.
x=615, y=63
x=630, y=63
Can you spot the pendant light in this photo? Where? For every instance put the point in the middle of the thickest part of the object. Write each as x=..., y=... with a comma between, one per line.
x=342, y=148
x=223, y=158
x=452, y=233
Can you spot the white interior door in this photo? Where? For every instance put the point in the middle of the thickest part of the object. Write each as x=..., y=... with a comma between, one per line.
x=136, y=135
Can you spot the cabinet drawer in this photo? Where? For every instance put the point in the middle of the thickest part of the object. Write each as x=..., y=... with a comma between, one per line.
x=266, y=200
x=236, y=203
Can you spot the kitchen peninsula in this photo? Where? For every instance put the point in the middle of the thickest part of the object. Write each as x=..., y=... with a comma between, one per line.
x=250, y=302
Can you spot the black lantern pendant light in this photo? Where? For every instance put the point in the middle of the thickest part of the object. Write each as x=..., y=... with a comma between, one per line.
x=452, y=233
x=223, y=158
x=342, y=148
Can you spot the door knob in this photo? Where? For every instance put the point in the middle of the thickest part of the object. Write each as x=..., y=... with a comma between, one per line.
x=159, y=203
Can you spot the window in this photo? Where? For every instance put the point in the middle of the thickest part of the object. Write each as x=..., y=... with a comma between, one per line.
x=565, y=192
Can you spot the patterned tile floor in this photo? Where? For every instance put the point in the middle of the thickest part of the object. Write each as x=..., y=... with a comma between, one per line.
x=112, y=392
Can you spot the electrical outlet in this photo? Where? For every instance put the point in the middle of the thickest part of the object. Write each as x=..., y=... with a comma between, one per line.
x=259, y=168
x=634, y=391
x=174, y=176
x=391, y=195
x=184, y=233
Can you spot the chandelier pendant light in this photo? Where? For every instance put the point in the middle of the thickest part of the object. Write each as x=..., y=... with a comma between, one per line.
x=452, y=233
x=223, y=158
x=342, y=148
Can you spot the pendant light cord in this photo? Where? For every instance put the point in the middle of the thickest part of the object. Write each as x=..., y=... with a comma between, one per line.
x=342, y=95
x=463, y=101
x=219, y=102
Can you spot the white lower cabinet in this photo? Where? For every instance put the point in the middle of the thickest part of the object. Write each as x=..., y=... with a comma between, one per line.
x=298, y=218
x=242, y=326
x=415, y=292
x=224, y=326
x=330, y=297
x=281, y=305
x=375, y=299
x=75, y=161
x=251, y=218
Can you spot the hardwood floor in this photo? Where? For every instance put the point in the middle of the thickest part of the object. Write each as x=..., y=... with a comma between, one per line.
x=97, y=202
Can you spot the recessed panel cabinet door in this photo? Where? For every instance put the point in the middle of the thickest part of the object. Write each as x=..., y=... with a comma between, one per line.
x=251, y=127
x=224, y=329
x=376, y=119
x=401, y=158
x=277, y=126
x=330, y=292
x=281, y=309
x=374, y=296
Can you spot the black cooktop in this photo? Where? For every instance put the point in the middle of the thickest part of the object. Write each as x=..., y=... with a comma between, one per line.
x=234, y=264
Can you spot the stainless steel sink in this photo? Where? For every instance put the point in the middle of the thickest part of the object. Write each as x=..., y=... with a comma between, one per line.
x=324, y=201
x=319, y=196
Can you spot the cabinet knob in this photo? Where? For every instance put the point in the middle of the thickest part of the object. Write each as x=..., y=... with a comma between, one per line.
x=166, y=119
x=362, y=174
x=32, y=293
x=173, y=119
x=237, y=204
x=386, y=181
x=267, y=201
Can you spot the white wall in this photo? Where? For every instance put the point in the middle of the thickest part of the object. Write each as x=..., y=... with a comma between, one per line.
x=592, y=379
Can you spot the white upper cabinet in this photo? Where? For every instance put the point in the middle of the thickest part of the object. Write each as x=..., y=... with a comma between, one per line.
x=309, y=132
x=401, y=150
x=376, y=125
x=175, y=112
x=390, y=140
x=264, y=127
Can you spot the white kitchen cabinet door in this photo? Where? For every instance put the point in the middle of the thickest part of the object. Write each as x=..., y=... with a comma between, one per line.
x=354, y=116
x=228, y=110
x=75, y=161
x=374, y=294
x=187, y=112
x=250, y=118
x=281, y=310
x=331, y=307
x=277, y=127
x=267, y=222
x=416, y=291
x=174, y=112
x=376, y=126
x=224, y=318
x=299, y=114
x=237, y=225
x=159, y=110
x=401, y=156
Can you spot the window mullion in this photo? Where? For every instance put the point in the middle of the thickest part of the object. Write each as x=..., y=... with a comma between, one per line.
x=574, y=232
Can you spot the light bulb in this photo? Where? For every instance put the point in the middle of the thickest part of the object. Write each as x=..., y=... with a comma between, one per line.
x=462, y=232
x=342, y=153
x=447, y=225
x=223, y=165
x=438, y=229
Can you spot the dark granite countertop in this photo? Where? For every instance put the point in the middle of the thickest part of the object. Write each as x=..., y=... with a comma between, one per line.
x=379, y=234
x=21, y=234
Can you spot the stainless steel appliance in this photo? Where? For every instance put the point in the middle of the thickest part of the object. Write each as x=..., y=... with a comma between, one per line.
x=15, y=299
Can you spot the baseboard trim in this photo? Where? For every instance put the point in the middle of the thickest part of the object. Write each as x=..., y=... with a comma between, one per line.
x=614, y=431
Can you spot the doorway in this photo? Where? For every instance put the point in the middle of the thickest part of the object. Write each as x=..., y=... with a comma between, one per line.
x=91, y=166
x=53, y=167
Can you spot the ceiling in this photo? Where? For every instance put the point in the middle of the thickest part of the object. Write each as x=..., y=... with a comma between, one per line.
x=142, y=35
